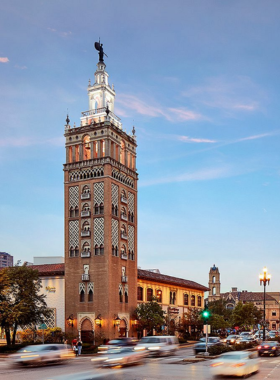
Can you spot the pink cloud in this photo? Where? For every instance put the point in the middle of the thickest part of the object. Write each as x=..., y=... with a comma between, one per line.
x=195, y=140
x=4, y=59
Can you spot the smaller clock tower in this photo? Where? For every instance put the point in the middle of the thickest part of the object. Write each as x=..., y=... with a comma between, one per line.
x=214, y=284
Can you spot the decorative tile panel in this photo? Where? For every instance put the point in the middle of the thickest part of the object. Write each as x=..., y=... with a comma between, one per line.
x=115, y=232
x=77, y=175
x=115, y=195
x=73, y=196
x=131, y=238
x=73, y=233
x=90, y=287
x=131, y=202
x=98, y=189
x=50, y=320
x=98, y=231
x=123, y=178
x=82, y=287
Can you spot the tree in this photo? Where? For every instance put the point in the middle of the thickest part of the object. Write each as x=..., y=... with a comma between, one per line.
x=150, y=315
x=20, y=300
x=193, y=318
x=219, y=307
x=246, y=315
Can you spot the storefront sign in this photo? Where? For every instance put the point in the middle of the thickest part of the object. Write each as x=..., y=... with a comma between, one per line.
x=50, y=289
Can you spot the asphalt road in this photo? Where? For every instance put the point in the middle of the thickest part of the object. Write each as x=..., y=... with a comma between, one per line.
x=167, y=368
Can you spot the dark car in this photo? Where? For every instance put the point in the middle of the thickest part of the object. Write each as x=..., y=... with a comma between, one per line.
x=231, y=339
x=201, y=345
x=270, y=348
x=118, y=343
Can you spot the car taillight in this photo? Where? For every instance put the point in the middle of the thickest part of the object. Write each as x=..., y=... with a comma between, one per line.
x=259, y=347
x=266, y=346
x=217, y=364
x=273, y=348
x=238, y=364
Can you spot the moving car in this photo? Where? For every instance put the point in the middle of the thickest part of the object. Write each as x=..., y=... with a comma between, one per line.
x=41, y=353
x=238, y=363
x=231, y=339
x=201, y=345
x=119, y=356
x=159, y=345
x=270, y=348
x=118, y=343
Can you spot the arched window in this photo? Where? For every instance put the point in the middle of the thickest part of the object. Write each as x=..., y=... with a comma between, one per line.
x=126, y=295
x=121, y=293
x=86, y=147
x=213, y=291
x=123, y=196
x=123, y=252
x=101, y=249
x=86, y=247
x=214, y=279
x=82, y=296
x=149, y=294
x=113, y=209
x=186, y=299
x=139, y=293
x=159, y=296
x=129, y=216
x=96, y=209
x=76, y=211
x=101, y=208
x=86, y=207
x=199, y=301
x=71, y=212
x=90, y=296
x=76, y=251
x=96, y=250
x=72, y=252
x=116, y=210
x=116, y=251
x=132, y=255
x=86, y=189
x=192, y=300
x=172, y=298
x=86, y=226
x=123, y=213
x=113, y=250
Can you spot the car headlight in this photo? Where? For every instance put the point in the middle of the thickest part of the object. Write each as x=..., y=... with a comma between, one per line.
x=114, y=360
x=154, y=348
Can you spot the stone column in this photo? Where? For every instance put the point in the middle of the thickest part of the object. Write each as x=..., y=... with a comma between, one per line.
x=81, y=152
x=98, y=149
x=91, y=149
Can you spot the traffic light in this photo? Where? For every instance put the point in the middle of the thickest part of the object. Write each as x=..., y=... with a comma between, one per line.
x=205, y=315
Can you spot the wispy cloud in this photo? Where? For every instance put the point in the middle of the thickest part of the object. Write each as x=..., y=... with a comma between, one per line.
x=4, y=59
x=260, y=136
x=22, y=142
x=60, y=33
x=230, y=94
x=20, y=67
x=188, y=139
x=132, y=102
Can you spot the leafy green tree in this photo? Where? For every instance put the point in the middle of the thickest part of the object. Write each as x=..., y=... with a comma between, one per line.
x=218, y=322
x=150, y=315
x=219, y=307
x=20, y=300
x=246, y=315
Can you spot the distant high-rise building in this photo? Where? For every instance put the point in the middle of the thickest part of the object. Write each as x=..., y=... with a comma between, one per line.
x=6, y=260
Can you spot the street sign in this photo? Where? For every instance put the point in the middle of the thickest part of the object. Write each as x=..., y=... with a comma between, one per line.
x=43, y=326
x=205, y=329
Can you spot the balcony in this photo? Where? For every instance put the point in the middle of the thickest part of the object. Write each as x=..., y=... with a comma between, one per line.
x=124, y=278
x=123, y=200
x=85, y=277
x=123, y=236
x=85, y=233
x=85, y=213
x=85, y=254
x=124, y=256
x=123, y=216
x=85, y=196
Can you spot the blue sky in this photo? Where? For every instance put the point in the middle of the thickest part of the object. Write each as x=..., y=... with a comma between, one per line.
x=200, y=82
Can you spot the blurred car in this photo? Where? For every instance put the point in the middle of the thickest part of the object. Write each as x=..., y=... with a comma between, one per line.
x=270, y=348
x=245, y=334
x=119, y=356
x=240, y=363
x=118, y=343
x=41, y=354
x=231, y=339
x=159, y=345
x=201, y=345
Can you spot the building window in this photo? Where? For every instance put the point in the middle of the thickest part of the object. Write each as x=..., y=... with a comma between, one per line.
x=132, y=217
x=126, y=295
x=72, y=252
x=139, y=293
x=76, y=251
x=82, y=296
x=90, y=296
x=273, y=313
x=192, y=300
x=199, y=301
x=214, y=291
x=172, y=298
x=72, y=212
x=186, y=299
x=76, y=211
x=121, y=293
x=149, y=294
x=101, y=208
x=213, y=279
x=96, y=250
x=96, y=209
x=159, y=296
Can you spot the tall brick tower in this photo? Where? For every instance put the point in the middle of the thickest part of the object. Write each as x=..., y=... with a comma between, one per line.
x=100, y=182
x=214, y=284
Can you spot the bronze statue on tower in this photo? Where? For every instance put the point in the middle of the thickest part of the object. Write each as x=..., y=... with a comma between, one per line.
x=98, y=46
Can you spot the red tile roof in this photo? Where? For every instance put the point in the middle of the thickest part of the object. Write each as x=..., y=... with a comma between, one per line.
x=247, y=296
x=49, y=269
x=163, y=278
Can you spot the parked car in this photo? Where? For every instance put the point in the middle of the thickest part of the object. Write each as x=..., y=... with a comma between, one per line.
x=158, y=345
x=120, y=356
x=201, y=345
x=240, y=363
x=118, y=343
x=231, y=339
x=245, y=334
x=269, y=348
x=41, y=353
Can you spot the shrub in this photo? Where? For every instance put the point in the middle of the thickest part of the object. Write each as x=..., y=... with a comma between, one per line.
x=219, y=349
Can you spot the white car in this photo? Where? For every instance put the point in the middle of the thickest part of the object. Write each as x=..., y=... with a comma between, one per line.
x=239, y=363
x=119, y=356
x=158, y=345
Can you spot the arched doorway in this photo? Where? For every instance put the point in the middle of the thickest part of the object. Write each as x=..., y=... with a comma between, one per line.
x=87, y=333
x=122, y=329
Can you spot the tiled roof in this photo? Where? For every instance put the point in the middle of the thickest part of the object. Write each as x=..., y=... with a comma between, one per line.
x=49, y=269
x=247, y=296
x=163, y=278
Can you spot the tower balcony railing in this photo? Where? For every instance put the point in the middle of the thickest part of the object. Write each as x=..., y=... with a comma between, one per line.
x=123, y=199
x=85, y=277
x=124, y=255
x=85, y=254
x=85, y=213
x=85, y=196
x=123, y=216
x=123, y=236
x=124, y=278
x=98, y=111
x=85, y=233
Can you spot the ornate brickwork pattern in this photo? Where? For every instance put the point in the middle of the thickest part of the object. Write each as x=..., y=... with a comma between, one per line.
x=98, y=189
x=90, y=287
x=98, y=231
x=50, y=320
x=123, y=178
x=115, y=195
x=131, y=238
x=73, y=233
x=82, y=287
x=77, y=175
x=73, y=196
x=115, y=233
x=131, y=202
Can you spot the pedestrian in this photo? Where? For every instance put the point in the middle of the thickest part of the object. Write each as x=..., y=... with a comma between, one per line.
x=74, y=342
x=76, y=350
x=80, y=345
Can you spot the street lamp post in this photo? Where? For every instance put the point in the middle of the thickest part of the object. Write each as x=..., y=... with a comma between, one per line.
x=264, y=279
